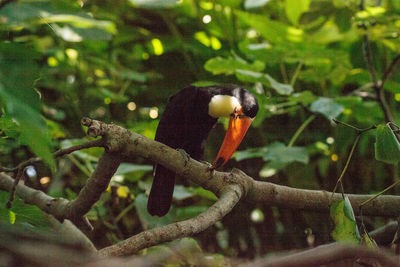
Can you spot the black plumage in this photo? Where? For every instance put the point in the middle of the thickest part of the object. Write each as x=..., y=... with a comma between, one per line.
x=186, y=124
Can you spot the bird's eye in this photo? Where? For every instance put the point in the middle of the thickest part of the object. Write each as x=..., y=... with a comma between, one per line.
x=235, y=110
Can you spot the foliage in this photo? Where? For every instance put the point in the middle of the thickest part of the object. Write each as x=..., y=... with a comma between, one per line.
x=119, y=61
x=346, y=229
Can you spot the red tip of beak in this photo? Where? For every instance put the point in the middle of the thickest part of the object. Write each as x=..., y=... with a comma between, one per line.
x=236, y=131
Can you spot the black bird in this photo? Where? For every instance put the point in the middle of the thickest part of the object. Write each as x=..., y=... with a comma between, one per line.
x=188, y=118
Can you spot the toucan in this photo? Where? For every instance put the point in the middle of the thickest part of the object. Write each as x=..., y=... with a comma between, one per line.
x=187, y=120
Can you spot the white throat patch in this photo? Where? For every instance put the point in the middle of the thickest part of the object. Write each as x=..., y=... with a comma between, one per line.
x=222, y=105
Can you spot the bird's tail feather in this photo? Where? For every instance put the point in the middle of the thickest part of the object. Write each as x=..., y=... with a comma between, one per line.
x=160, y=197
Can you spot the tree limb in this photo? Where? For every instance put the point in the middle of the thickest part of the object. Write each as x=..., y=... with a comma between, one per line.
x=329, y=253
x=53, y=206
x=94, y=187
x=132, y=144
x=121, y=144
x=228, y=199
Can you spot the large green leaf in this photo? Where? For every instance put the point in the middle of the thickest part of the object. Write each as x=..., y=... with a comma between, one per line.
x=273, y=31
x=20, y=213
x=249, y=4
x=327, y=107
x=26, y=14
x=276, y=152
x=220, y=65
x=251, y=76
x=249, y=153
x=387, y=147
x=345, y=224
x=146, y=219
x=294, y=9
x=154, y=4
x=125, y=168
x=279, y=152
x=18, y=72
x=305, y=98
x=9, y=127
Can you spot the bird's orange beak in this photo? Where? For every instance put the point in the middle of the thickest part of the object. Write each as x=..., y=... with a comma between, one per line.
x=237, y=129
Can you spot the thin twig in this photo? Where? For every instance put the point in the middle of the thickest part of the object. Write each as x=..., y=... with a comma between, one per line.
x=296, y=73
x=346, y=166
x=59, y=153
x=5, y=2
x=358, y=130
x=390, y=69
x=12, y=192
x=20, y=169
x=380, y=193
x=301, y=129
x=377, y=85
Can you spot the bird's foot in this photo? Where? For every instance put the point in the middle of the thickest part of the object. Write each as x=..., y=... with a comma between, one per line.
x=210, y=167
x=185, y=155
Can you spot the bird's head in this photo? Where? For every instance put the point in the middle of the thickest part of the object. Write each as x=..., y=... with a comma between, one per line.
x=242, y=107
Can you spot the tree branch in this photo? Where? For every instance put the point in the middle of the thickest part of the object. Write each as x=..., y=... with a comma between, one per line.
x=329, y=253
x=132, y=144
x=94, y=187
x=53, y=206
x=121, y=144
x=228, y=199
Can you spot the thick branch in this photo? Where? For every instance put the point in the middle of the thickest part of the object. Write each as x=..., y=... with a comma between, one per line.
x=131, y=145
x=319, y=201
x=94, y=187
x=228, y=199
x=53, y=206
x=330, y=253
x=90, y=193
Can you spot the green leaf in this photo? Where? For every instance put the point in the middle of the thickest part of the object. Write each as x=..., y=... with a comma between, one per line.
x=145, y=218
x=271, y=168
x=387, y=147
x=294, y=9
x=305, y=98
x=18, y=72
x=279, y=153
x=181, y=192
x=249, y=4
x=74, y=34
x=342, y=214
x=25, y=14
x=327, y=107
x=20, y=213
x=227, y=66
x=369, y=241
x=9, y=127
x=267, y=80
x=125, y=168
x=154, y=4
x=12, y=216
x=273, y=31
x=200, y=191
x=249, y=153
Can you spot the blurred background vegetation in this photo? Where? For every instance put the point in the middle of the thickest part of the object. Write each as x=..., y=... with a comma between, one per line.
x=119, y=61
